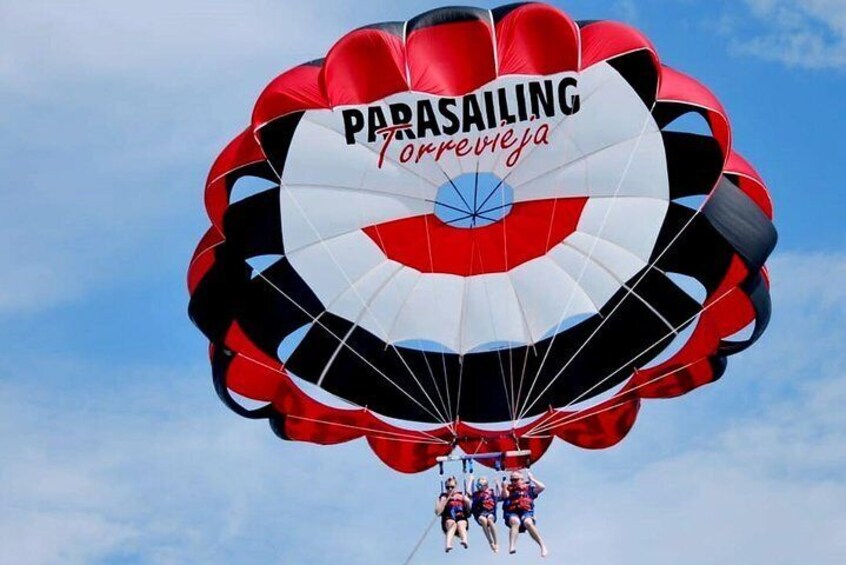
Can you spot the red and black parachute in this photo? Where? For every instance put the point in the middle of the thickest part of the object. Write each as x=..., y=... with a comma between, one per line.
x=478, y=232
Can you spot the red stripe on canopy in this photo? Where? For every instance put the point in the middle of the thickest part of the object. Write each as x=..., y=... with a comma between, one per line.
x=605, y=40
x=536, y=39
x=363, y=66
x=293, y=91
x=451, y=59
x=431, y=246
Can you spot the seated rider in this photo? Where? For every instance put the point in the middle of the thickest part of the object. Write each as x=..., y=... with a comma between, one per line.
x=518, y=503
x=483, y=507
x=453, y=507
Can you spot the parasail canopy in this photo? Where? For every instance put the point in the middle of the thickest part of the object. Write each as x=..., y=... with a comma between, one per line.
x=480, y=229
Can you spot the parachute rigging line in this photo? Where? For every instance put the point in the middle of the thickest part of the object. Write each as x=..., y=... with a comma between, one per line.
x=566, y=310
x=515, y=412
x=673, y=331
x=430, y=252
x=629, y=292
x=540, y=427
x=448, y=406
x=443, y=418
x=356, y=353
x=434, y=439
x=512, y=402
x=493, y=325
x=392, y=436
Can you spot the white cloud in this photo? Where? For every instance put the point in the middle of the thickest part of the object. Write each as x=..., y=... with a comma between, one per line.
x=145, y=465
x=799, y=33
x=767, y=488
x=113, y=113
x=749, y=470
x=52, y=41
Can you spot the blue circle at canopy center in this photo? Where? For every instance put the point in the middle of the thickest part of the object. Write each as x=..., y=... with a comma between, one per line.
x=473, y=200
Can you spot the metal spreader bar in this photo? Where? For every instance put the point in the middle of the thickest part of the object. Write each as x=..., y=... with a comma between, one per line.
x=480, y=456
x=499, y=456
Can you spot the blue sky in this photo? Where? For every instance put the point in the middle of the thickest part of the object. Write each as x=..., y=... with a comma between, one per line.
x=114, y=446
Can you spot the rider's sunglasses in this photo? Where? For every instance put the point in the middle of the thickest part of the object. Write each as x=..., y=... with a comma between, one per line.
x=450, y=486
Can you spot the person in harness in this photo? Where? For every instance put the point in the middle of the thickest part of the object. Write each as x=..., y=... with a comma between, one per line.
x=453, y=507
x=518, y=508
x=483, y=507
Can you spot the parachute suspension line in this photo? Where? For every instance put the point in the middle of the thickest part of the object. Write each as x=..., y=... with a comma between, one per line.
x=529, y=151
x=629, y=291
x=528, y=330
x=473, y=250
x=376, y=433
x=623, y=285
x=435, y=439
x=460, y=379
x=512, y=407
x=514, y=399
x=445, y=406
x=421, y=540
x=509, y=399
x=673, y=331
x=584, y=266
x=393, y=346
x=450, y=414
x=541, y=427
x=547, y=246
x=316, y=321
x=482, y=441
x=464, y=290
x=442, y=418
x=355, y=324
x=576, y=416
x=561, y=121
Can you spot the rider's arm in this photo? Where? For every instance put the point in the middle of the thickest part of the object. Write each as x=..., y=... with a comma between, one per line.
x=468, y=483
x=539, y=486
x=441, y=504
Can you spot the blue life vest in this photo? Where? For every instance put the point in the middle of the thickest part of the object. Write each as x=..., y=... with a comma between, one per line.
x=483, y=501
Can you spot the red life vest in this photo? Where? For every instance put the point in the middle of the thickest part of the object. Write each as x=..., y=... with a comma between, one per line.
x=454, y=508
x=520, y=500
